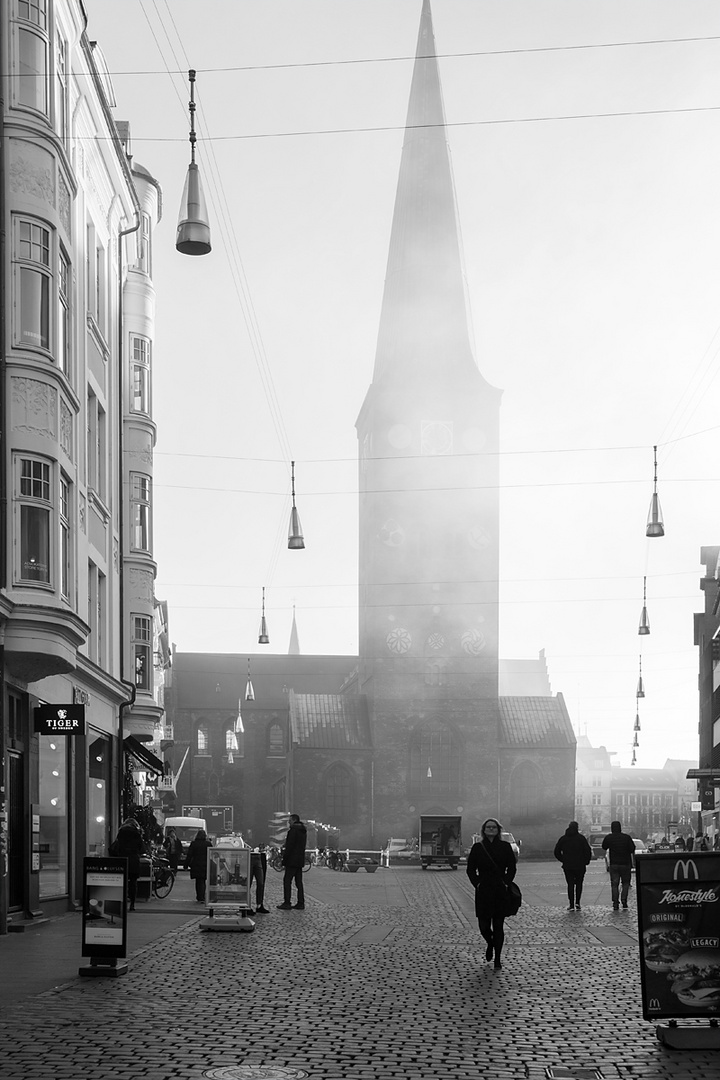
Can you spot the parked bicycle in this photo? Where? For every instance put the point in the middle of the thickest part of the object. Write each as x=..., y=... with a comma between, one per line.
x=275, y=860
x=163, y=877
x=336, y=860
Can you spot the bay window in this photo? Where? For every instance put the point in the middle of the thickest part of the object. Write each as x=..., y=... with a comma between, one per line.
x=35, y=511
x=140, y=512
x=140, y=348
x=142, y=651
x=35, y=278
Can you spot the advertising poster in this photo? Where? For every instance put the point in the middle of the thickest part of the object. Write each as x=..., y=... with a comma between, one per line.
x=678, y=897
x=229, y=876
x=104, y=925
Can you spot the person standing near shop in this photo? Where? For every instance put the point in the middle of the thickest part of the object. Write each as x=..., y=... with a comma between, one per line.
x=574, y=852
x=128, y=844
x=196, y=862
x=293, y=859
x=619, y=847
x=173, y=848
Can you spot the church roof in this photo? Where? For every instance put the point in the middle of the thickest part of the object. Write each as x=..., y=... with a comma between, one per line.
x=329, y=721
x=535, y=722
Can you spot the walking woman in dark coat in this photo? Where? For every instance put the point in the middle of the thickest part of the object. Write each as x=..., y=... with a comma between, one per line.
x=196, y=862
x=491, y=866
x=574, y=852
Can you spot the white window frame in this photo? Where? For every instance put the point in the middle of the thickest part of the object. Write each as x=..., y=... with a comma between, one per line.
x=140, y=512
x=96, y=446
x=142, y=642
x=66, y=537
x=141, y=352
x=31, y=82
x=34, y=489
x=33, y=250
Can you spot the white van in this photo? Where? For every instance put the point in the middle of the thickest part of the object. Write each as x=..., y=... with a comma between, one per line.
x=185, y=829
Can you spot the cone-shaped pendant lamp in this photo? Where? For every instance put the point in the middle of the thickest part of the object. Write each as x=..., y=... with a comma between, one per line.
x=655, y=525
x=231, y=759
x=637, y=722
x=644, y=627
x=249, y=692
x=263, y=638
x=193, y=231
x=295, y=536
x=239, y=726
x=636, y=741
x=633, y=759
x=640, y=692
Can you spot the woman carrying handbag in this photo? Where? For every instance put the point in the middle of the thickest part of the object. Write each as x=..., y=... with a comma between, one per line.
x=491, y=867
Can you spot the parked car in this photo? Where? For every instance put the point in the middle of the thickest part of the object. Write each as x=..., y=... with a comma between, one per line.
x=398, y=849
x=514, y=844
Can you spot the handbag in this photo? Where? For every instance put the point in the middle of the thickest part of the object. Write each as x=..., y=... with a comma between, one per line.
x=513, y=896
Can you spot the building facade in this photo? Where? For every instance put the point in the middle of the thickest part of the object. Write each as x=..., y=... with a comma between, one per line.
x=707, y=640
x=76, y=565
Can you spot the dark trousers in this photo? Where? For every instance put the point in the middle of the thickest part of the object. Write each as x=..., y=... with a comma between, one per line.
x=293, y=873
x=574, y=880
x=492, y=928
x=200, y=883
x=257, y=874
x=132, y=888
x=620, y=878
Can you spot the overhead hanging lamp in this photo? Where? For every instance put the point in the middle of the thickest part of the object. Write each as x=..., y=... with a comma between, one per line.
x=295, y=536
x=655, y=525
x=193, y=231
x=239, y=726
x=637, y=722
x=263, y=638
x=633, y=759
x=249, y=692
x=640, y=692
x=644, y=627
x=636, y=741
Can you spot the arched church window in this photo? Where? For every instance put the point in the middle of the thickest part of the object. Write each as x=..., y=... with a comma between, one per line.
x=202, y=743
x=276, y=741
x=339, y=794
x=234, y=740
x=435, y=756
x=526, y=792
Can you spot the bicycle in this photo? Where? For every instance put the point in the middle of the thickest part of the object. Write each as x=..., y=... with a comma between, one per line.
x=275, y=860
x=163, y=877
x=336, y=860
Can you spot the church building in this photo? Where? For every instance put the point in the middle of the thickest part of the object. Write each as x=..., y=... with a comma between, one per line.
x=421, y=721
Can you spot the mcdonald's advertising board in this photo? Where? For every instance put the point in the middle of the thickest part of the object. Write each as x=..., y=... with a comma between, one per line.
x=678, y=895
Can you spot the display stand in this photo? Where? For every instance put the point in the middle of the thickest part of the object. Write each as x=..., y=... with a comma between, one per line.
x=678, y=1036
x=109, y=968
x=228, y=887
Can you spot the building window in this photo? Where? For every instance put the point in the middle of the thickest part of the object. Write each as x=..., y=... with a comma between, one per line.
x=140, y=374
x=434, y=761
x=144, y=251
x=596, y=799
x=35, y=510
x=339, y=794
x=63, y=330
x=96, y=445
x=98, y=793
x=526, y=794
x=32, y=89
x=35, y=278
x=142, y=651
x=140, y=512
x=597, y=781
x=95, y=272
x=61, y=111
x=34, y=11
x=202, y=740
x=65, y=537
x=276, y=741
x=53, y=838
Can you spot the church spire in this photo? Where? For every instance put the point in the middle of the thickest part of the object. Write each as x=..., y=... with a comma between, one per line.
x=294, y=646
x=423, y=324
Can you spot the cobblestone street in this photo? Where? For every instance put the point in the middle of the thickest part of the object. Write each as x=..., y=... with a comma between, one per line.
x=381, y=976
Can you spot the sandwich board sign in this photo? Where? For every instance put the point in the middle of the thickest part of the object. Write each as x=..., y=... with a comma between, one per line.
x=678, y=896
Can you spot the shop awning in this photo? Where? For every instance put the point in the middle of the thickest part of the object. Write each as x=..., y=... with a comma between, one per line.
x=143, y=755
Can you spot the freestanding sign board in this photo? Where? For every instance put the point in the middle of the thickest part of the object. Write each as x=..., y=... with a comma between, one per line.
x=104, y=925
x=678, y=896
x=229, y=875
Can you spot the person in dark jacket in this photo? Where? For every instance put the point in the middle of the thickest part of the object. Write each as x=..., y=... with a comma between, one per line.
x=196, y=862
x=129, y=845
x=574, y=852
x=619, y=847
x=491, y=866
x=173, y=848
x=293, y=859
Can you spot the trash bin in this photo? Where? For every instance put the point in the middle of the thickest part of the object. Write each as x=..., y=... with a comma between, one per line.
x=144, y=882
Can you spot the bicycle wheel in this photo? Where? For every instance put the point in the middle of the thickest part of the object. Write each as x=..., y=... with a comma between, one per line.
x=308, y=863
x=163, y=882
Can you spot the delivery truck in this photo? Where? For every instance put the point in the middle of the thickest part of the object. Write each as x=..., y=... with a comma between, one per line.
x=440, y=840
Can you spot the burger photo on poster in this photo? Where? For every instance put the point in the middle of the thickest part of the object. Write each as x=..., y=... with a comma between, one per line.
x=663, y=945
x=696, y=978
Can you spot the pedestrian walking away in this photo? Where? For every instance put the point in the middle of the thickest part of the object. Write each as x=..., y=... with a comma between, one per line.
x=128, y=844
x=574, y=852
x=196, y=862
x=491, y=866
x=293, y=859
x=619, y=847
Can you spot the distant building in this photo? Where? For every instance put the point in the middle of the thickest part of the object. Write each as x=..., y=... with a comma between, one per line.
x=707, y=639
x=593, y=786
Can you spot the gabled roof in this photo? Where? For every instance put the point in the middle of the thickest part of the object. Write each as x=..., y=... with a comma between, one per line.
x=535, y=722
x=329, y=721
x=636, y=779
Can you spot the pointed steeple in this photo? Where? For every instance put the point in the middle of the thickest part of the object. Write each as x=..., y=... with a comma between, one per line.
x=423, y=324
x=294, y=646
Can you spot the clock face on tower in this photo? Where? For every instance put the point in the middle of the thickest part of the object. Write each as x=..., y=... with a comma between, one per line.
x=391, y=533
x=436, y=437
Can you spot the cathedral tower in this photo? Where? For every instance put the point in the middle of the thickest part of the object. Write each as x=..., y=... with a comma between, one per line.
x=429, y=515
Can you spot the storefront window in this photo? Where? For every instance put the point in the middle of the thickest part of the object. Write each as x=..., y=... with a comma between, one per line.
x=53, y=816
x=98, y=794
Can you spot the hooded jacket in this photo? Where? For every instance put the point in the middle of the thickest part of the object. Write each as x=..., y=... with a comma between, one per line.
x=573, y=850
x=294, y=851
